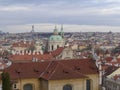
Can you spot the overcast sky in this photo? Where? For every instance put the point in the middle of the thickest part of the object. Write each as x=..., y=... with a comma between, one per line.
x=75, y=15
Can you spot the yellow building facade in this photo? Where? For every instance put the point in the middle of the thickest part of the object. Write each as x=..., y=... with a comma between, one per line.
x=53, y=75
x=41, y=84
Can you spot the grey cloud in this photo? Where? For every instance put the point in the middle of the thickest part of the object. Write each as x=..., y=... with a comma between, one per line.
x=83, y=12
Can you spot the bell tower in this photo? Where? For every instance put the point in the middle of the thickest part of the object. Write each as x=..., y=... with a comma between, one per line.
x=61, y=32
x=55, y=30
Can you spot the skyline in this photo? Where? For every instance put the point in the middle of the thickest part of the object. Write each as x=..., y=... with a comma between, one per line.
x=89, y=13
x=48, y=27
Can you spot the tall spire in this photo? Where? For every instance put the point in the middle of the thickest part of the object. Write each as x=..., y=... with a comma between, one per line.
x=61, y=32
x=32, y=28
x=55, y=30
x=61, y=27
x=55, y=27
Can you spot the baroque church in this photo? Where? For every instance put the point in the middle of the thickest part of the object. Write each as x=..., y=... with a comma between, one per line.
x=57, y=45
x=56, y=40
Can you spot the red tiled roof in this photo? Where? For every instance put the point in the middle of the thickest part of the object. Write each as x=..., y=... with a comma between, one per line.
x=85, y=66
x=108, y=59
x=118, y=59
x=58, y=71
x=110, y=69
x=53, y=70
x=26, y=70
x=27, y=57
x=22, y=44
x=57, y=51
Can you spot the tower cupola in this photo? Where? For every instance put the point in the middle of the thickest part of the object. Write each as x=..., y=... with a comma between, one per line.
x=55, y=30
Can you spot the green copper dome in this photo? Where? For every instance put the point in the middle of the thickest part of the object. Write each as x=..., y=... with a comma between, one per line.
x=55, y=38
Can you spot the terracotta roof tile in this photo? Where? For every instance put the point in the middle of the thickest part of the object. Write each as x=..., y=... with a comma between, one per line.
x=26, y=70
x=27, y=57
x=22, y=44
x=85, y=66
x=57, y=51
x=110, y=69
x=52, y=70
x=58, y=71
x=108, y=59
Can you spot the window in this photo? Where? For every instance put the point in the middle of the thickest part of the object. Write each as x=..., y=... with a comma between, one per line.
x=67, y=87
x=14, y=86
x=52, y=47
x=57, y=46
x=88, y=84
x=28, y=87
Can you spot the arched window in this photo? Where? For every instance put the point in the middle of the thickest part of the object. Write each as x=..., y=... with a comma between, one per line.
x=57, y=46
x=88, y=84
x=28, y=87
x=52, y=47
x=67, y=87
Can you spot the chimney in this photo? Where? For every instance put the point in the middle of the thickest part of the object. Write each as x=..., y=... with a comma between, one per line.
x=24, y=41
x=23, y=52
x=34, y=52
x=36, y=59
x=41, y=52
x=37, y=52
x=26, y=52
x=29, y=52
x=19, y=52
x=114, y=59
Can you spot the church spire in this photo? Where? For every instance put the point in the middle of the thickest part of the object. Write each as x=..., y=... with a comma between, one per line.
x=61, y=27
x=32, y=28
x=61, y=32
x=55, y=30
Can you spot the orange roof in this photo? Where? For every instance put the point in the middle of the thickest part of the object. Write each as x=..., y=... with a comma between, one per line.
x=57, y=52
x=108, y=59
x=109, y=69
x=27, y=57
x=22, y=44
x=26, y=70
x=53, y=70
x=58, y=71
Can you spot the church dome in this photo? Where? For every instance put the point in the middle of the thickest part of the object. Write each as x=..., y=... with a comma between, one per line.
x=55, y=38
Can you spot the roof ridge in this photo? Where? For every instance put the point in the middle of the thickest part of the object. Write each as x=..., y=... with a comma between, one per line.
x=46, y=68
x=53, y=71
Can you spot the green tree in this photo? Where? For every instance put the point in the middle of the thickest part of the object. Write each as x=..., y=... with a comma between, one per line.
x=6, y=84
